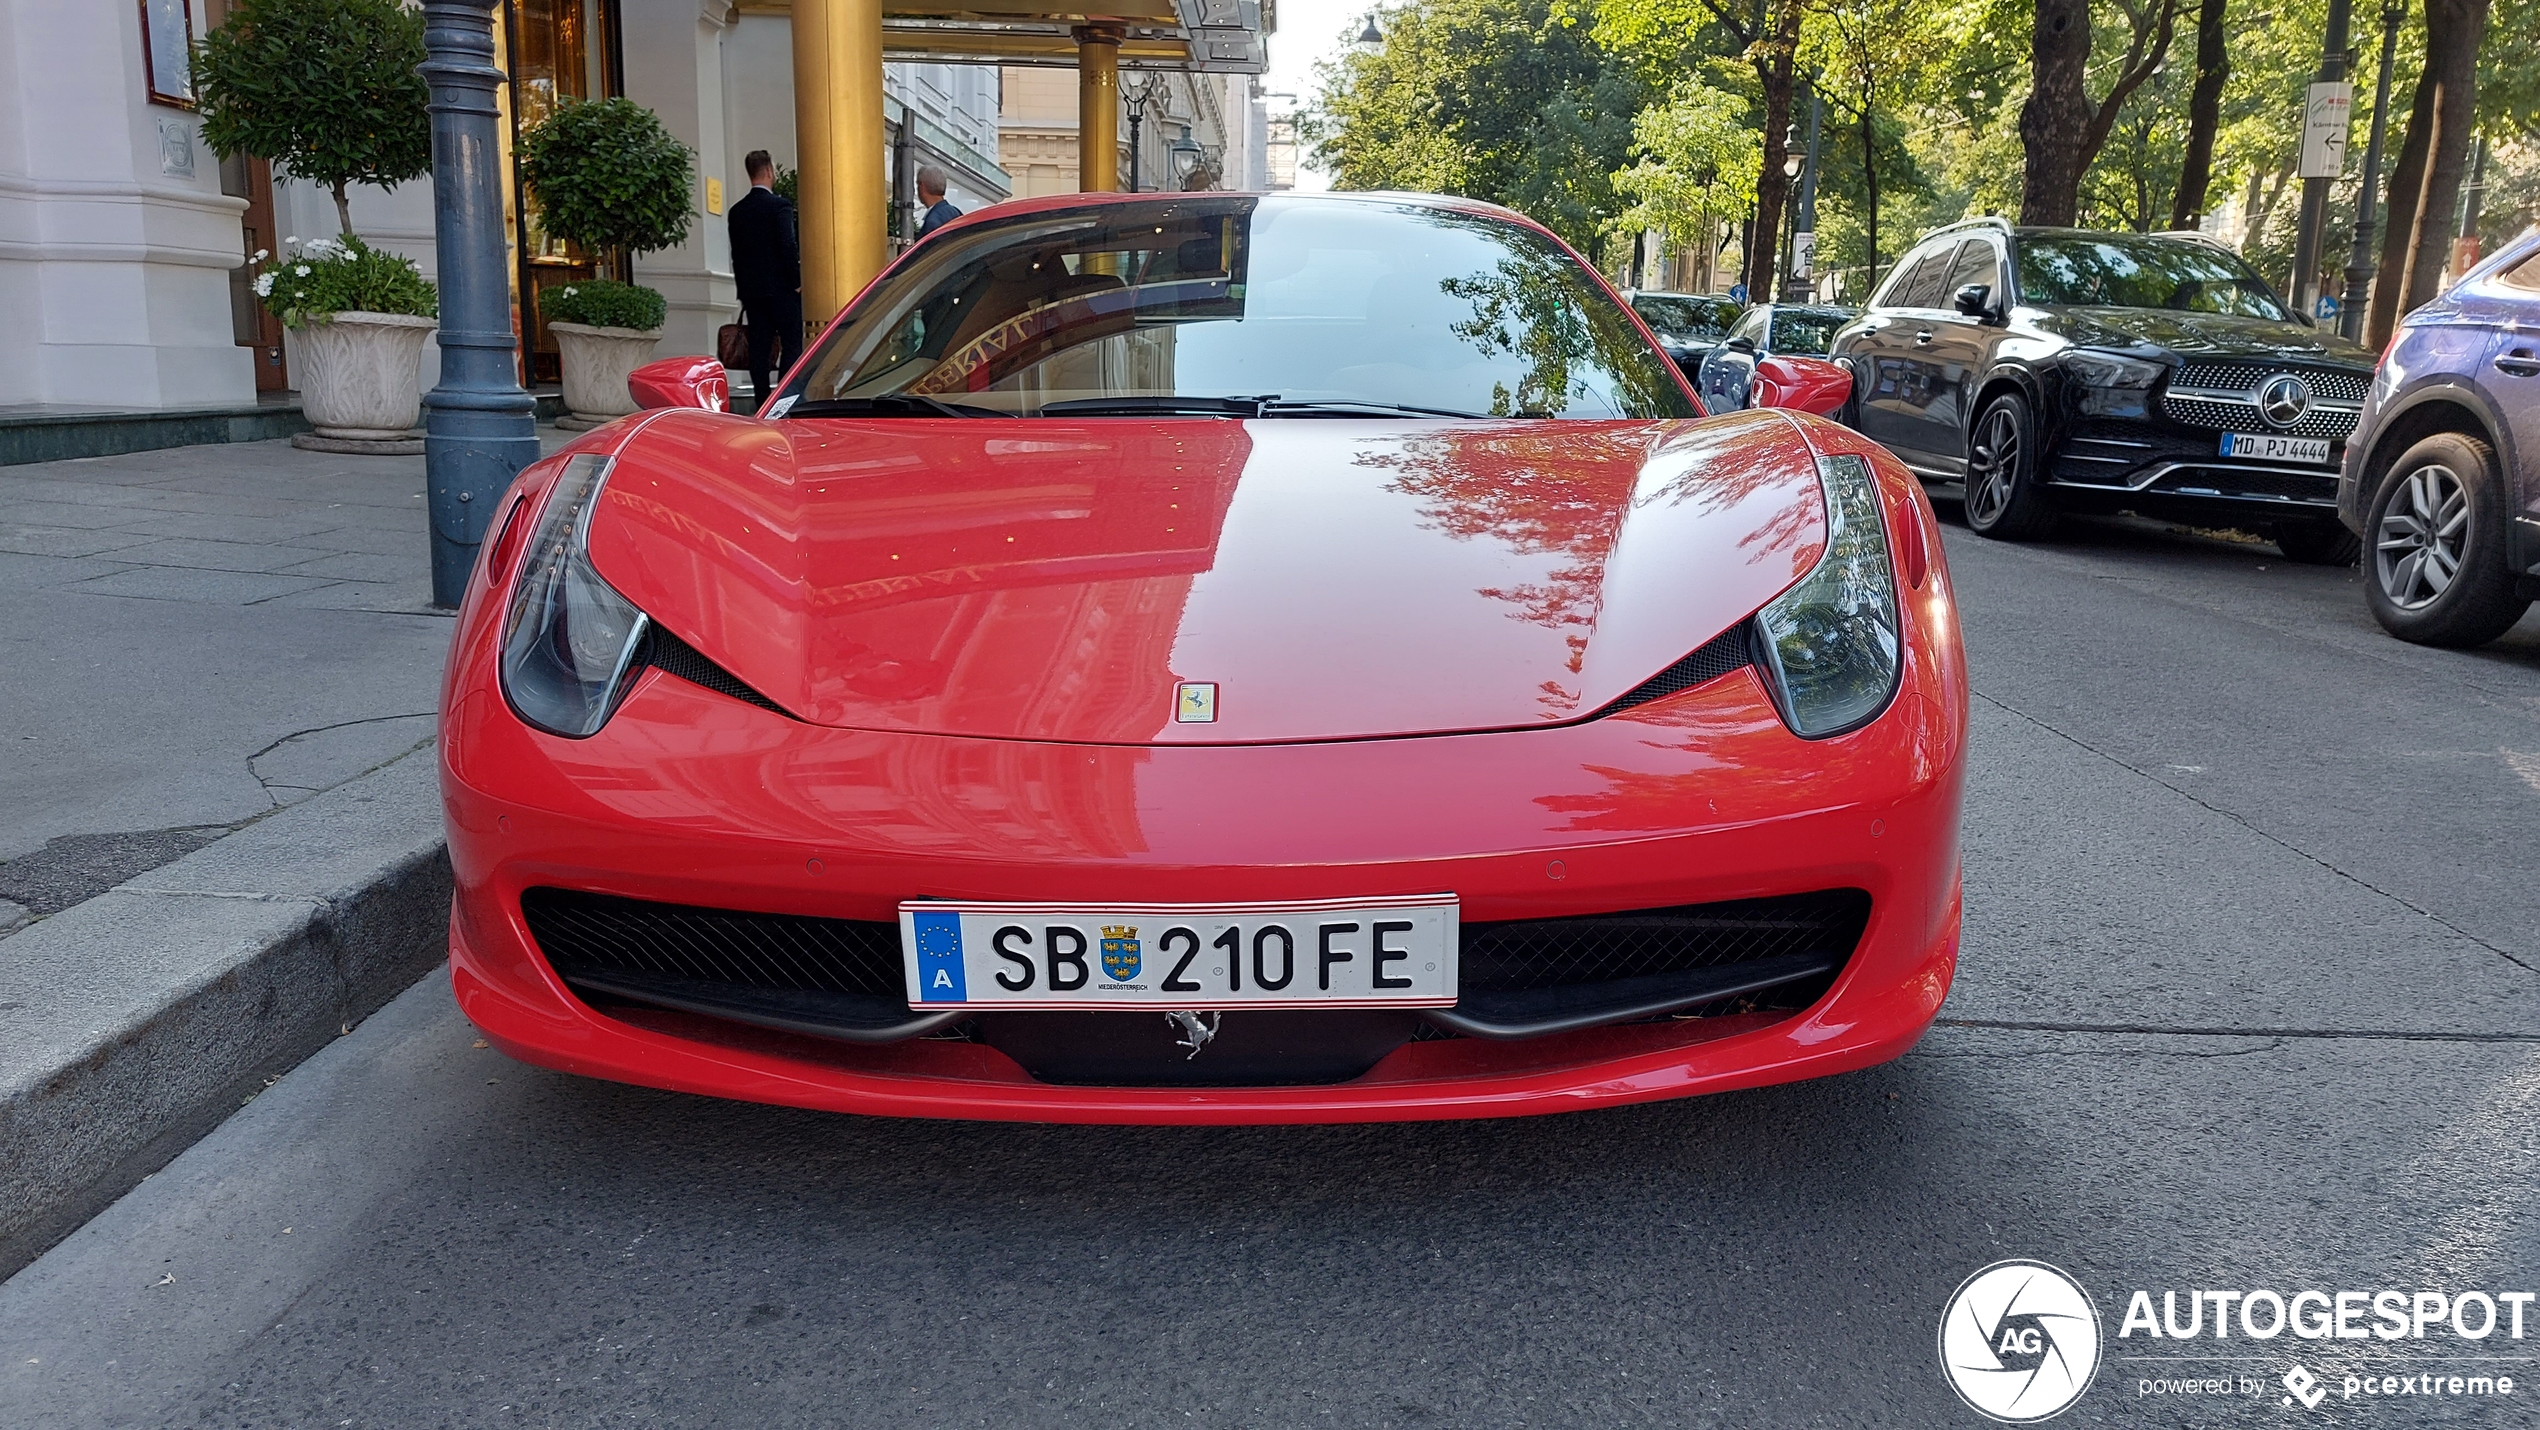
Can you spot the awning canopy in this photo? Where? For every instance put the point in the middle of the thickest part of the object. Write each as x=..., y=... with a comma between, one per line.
x=1203, y=36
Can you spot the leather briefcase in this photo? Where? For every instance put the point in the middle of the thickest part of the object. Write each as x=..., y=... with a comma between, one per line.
x=732, y=345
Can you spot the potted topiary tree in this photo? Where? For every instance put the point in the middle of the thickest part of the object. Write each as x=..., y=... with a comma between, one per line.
x=328, y=91
x=607, y=176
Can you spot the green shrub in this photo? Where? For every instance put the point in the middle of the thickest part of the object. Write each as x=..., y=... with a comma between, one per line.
x=326, y=89
x=316, y=280
x=606, y=175
x=604, y=303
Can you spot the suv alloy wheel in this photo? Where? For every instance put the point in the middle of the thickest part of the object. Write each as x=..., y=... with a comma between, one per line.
x=2003, y=501
x=2437, y=573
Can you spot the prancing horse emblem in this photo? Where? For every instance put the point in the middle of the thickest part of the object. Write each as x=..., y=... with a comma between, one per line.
x=1120, y=956
x=1195, y=702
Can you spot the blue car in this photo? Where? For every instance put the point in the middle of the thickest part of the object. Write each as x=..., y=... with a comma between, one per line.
x=1726, y=374
x=2442, y=476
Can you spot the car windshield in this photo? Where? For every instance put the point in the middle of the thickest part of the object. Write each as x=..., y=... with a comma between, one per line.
x=2120, y=272
x=1806, y=332
x=1673, y=315
x=1240, y=306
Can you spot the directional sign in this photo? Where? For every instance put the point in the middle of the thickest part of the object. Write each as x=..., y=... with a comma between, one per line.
x=2324, y=125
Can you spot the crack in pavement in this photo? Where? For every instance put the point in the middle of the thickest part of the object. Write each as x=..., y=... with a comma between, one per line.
x=2395, y=1035
x=2272, y=838
x=2271, y=1045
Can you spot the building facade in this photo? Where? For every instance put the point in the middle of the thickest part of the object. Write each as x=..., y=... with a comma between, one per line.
x=123, y=240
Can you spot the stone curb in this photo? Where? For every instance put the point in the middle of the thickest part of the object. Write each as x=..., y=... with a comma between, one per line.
x=133, y=1023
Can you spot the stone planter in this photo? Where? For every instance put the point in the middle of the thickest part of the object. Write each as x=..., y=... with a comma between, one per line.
x=358, y=382
x=596, y=362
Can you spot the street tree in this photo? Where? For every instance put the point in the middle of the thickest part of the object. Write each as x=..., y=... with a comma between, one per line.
x=2426, y=181
x=1766, y=38
x=326, y=89
x=1697, y=163
x=2061, y=127
x=2204, y=114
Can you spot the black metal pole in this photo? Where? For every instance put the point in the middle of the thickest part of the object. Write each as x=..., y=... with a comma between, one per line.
x=2311, y=236
x=2359, y=264
x=1136, y=119
x=1808, y=187
x=480, y=428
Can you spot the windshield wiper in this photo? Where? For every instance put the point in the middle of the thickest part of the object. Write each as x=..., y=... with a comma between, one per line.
x=889, y=404
x=1156, y=407
x=1353, y=407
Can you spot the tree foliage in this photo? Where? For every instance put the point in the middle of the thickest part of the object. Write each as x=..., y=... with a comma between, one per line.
x=1509, y=101
x=607, y=175
x=1698, y=159
x=326, y=89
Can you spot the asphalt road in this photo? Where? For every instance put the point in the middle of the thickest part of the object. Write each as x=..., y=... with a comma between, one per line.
x=2250, y=997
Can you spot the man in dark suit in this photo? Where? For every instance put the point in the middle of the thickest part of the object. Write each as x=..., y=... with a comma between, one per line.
x=930, y=192
x=767, y=268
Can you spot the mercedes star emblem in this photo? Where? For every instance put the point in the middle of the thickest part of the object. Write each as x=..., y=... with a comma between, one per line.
x=2284, y=399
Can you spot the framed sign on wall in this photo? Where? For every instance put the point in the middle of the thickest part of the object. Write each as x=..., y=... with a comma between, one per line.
x=167, y=49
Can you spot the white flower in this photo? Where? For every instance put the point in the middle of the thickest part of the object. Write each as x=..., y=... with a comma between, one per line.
x=260, y=257
x=290, y=243
x=302, y=270
x=264, y=285
x=568, y=290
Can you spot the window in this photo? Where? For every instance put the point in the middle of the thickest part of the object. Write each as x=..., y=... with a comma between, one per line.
x=1807, y=332
x=1918, y=285
x=1232, y=300
x=1974, y=265
x=1685, y=319
x=1751, y=327
x=2524, y=275
x=2125, y=271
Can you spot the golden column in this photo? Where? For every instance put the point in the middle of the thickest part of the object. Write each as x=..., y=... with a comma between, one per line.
x=1098, y=108
x=838, y=141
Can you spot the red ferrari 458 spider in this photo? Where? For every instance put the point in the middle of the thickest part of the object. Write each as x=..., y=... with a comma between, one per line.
x=1211, y=658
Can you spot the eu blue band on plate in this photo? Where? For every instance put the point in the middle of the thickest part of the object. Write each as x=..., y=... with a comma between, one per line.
x=939, y=971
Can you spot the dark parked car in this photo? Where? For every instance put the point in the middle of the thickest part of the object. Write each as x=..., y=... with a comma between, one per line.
x=2056, y=369
x=2442, y=479
x=1727, y=372
x=1687, y=324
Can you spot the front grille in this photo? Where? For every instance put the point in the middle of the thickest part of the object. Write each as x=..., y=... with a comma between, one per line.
x=844, y=976
x=1727, y=651
x=2327, y=384
x=1532, y=954
x=596, y=935
x=2223, y=414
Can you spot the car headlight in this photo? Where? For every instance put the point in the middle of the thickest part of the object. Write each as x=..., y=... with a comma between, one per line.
x=569, y=638
x=2112, y=385
x=1831, y=645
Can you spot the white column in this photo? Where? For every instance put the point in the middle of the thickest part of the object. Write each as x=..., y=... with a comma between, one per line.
x=115, y=239
x=674, y=67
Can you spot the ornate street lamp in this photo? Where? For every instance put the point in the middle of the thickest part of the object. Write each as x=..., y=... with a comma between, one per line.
x=1185, y=157
x=1135, y=100
x=1370, y=39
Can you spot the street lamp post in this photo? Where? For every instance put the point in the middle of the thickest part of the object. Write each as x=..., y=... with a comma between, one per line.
x=1803, y=241
x=1184, y=157
x=2359, y=264
x=1135, y=101
x=2310, y=237
x=480, y=428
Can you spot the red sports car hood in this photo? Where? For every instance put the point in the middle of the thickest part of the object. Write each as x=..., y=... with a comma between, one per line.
x=1333, y=579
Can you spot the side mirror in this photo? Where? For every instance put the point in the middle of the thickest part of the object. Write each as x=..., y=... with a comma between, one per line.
x=1975, y=300
x=1801, y=384
x=681, y=382
x=1744, y=345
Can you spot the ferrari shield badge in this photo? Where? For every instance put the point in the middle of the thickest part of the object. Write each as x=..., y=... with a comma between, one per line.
x=1195, y=702
x=1120, y=956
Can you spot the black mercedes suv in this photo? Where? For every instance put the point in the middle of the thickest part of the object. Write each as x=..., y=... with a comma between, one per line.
x=2052, y=369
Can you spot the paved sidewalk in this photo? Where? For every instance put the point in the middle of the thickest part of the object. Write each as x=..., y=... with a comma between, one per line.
x=193, y=638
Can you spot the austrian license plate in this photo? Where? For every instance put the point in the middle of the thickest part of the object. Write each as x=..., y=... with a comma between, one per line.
x=2269, y=447
x=1331, y=953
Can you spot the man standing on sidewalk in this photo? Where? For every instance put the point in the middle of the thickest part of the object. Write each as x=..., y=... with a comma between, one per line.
x=930, y=192
x=767, y=269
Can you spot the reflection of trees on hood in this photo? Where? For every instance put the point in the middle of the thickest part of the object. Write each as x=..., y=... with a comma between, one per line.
x=1529, y=308
x=1561, y=494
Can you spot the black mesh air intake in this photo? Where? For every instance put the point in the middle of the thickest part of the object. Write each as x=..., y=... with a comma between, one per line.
x=598, y=934
x=1723, y=653
x=666, y=652
x=1601, y=948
